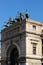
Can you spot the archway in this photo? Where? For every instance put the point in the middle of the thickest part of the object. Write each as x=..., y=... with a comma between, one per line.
x=12, y=55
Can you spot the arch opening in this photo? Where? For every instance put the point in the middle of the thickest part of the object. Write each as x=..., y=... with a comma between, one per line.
x=12, y=56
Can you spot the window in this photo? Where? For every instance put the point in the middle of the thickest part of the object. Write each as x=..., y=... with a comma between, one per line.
x=42, y=50
x=23, y=63
x=34, y=48
x=42, y=46
x=34, y=27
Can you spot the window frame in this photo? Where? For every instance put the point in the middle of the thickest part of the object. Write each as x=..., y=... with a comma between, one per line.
x=34, y=48
x=34, y=27
x=23, y=63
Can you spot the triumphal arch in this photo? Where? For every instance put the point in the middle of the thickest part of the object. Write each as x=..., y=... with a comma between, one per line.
x=22, y=41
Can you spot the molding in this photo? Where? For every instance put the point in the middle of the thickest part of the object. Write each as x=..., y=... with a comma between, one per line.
x=35, y=22
x=34, y=56
x=16, y=35
x=33, y=33
x=31, y=57
x=14, y=44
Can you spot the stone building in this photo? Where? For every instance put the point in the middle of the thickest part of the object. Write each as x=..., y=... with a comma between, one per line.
x=0, y=56
x=22, y=43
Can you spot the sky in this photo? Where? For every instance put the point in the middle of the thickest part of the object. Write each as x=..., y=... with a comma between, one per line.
x=9, y=8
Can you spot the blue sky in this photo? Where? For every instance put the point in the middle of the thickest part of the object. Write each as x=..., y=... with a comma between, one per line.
x=9, y=8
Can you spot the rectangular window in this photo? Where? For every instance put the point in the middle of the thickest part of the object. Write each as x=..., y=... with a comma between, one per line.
x=42, y=50
x=23, y=63
x=42, y=46
x=34, y=48
x=34, y=27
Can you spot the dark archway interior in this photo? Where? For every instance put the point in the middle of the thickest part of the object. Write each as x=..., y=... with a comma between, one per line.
x=13, y=56
x=42, y=63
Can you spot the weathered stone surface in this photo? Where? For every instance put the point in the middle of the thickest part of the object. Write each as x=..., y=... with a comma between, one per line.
x=23, y=36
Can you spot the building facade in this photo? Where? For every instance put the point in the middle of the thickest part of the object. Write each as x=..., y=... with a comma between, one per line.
x=22, y=43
